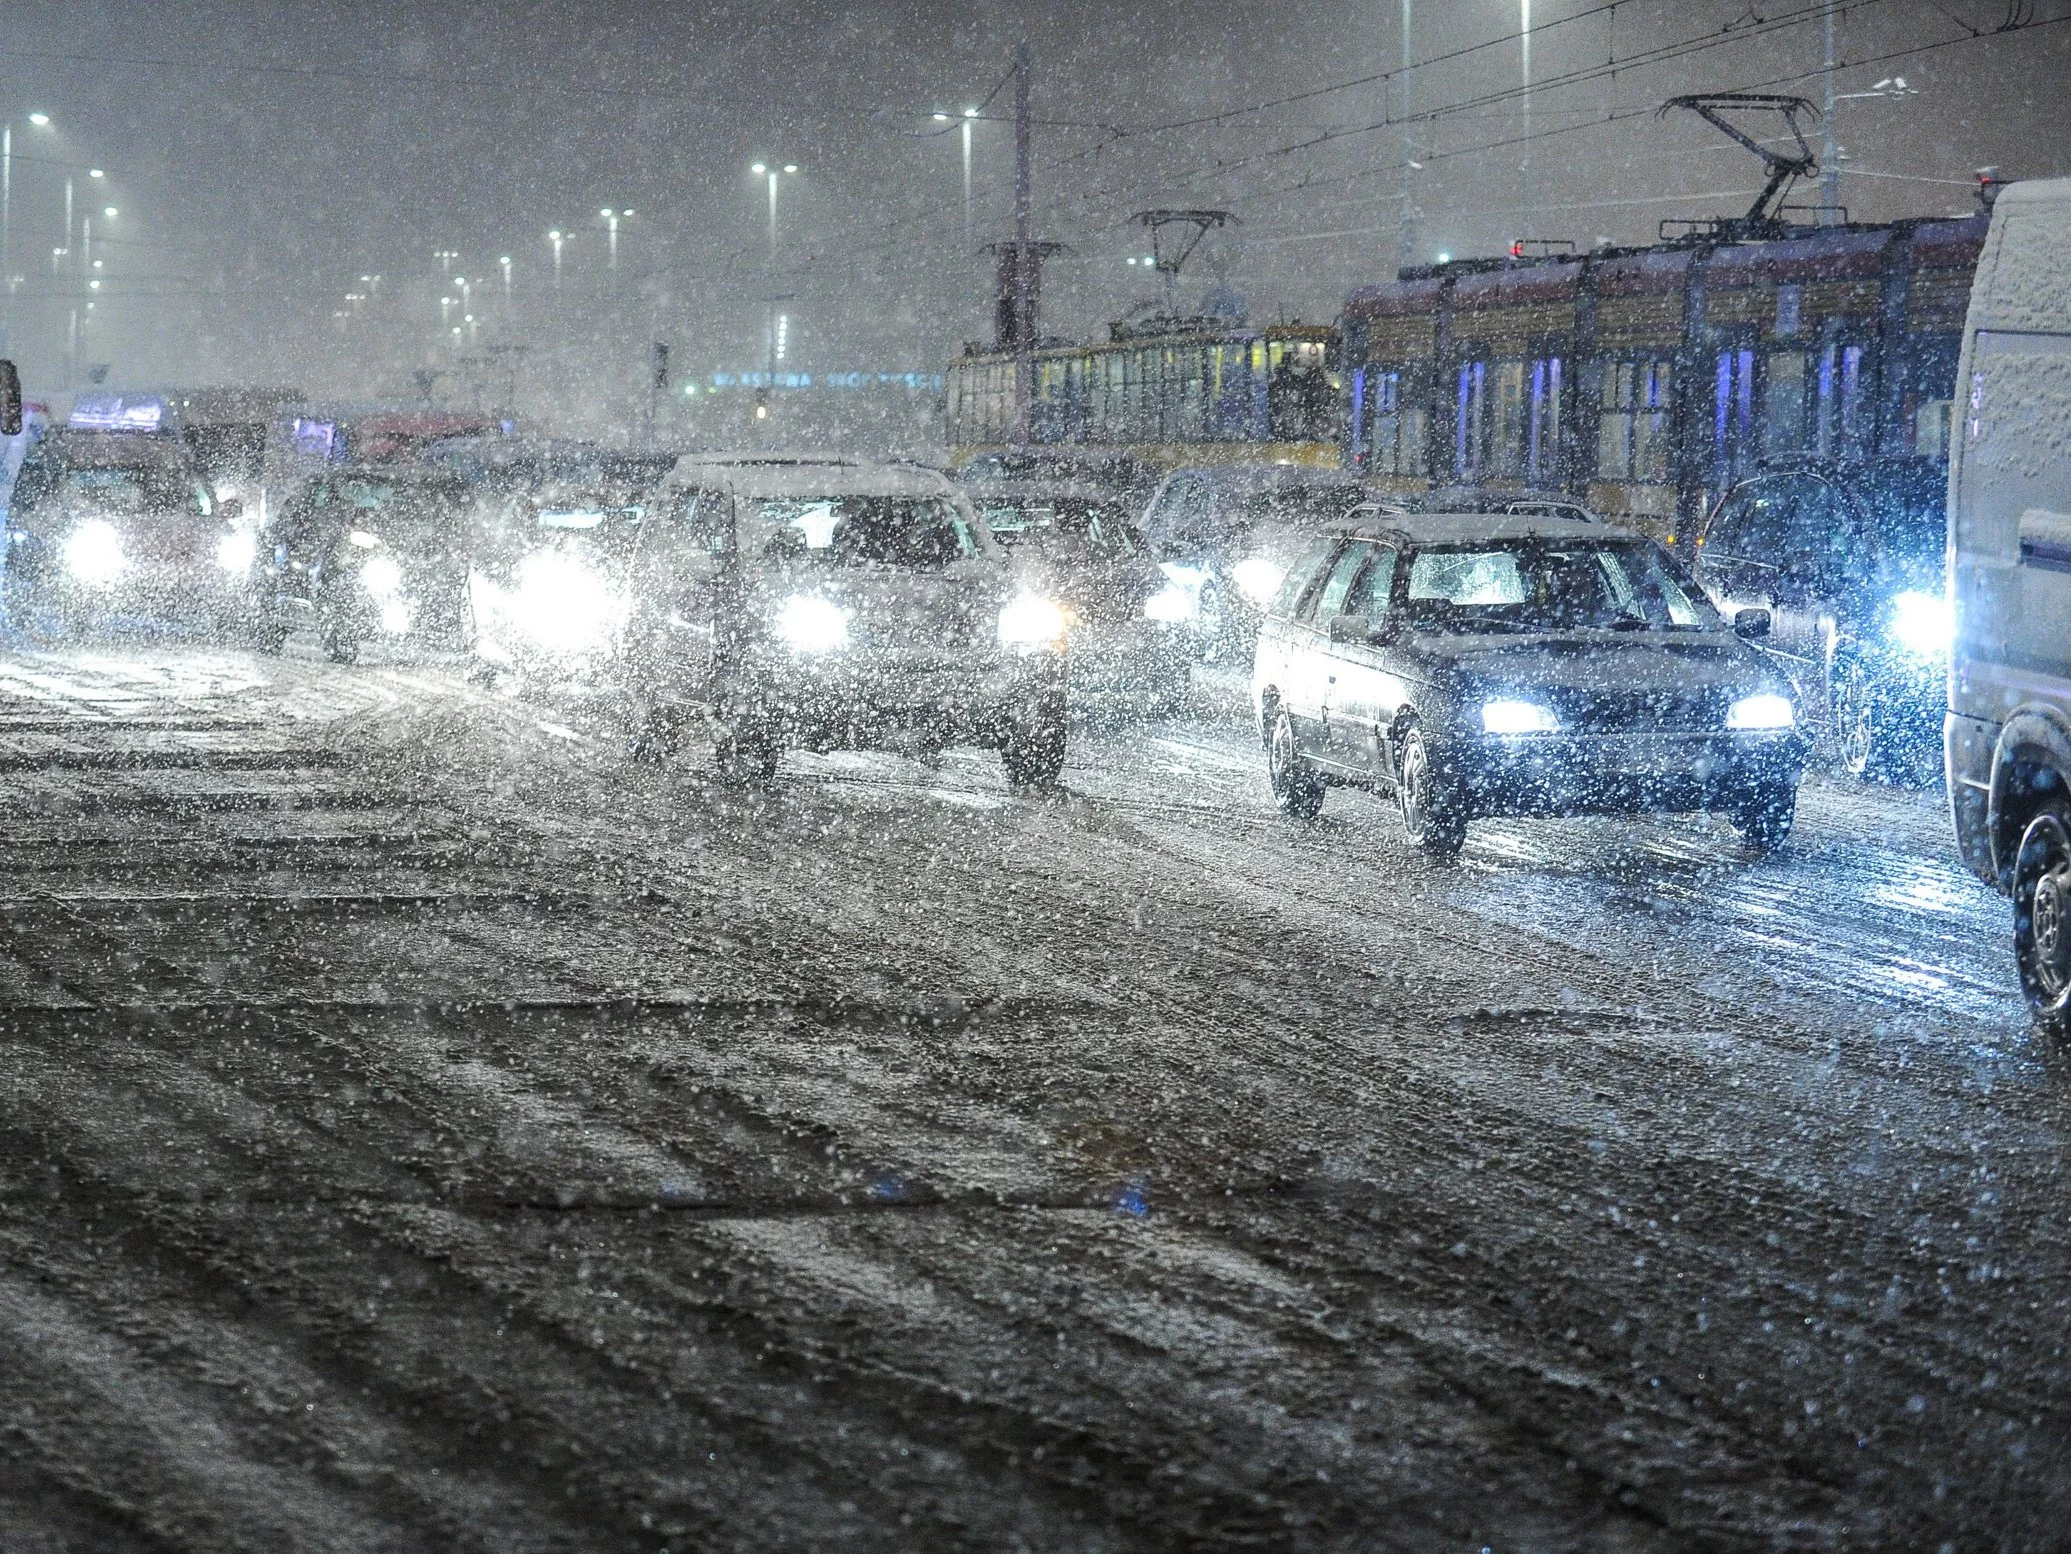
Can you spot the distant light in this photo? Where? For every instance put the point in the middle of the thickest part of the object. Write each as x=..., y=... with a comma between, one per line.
x=939, y=118
x=607, y=214
x=111, y=211
x=1132, y=258
x=93, y=285
x=467, y=318
x=40, y=120
x=627, y=211
x=95, y=172
x=758, y=168
x=1150, y=259
x=790, y=167
x=503, y=259
x=1445, y=258
x=460, y=280
x=970, y=113
x=553, y=237
x=98, y=263
x=456, y=329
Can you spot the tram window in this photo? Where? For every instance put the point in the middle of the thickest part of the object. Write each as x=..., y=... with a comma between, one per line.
x=1396, y=431
x=1632, y=435
x=1843, y=422
x=1783, y=402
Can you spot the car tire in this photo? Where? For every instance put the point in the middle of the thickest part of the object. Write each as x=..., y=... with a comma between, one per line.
x=1434, y=818
x=1855, y=719
x=2042, y=924
x=1764, y=813
x=1297, y=790
x=747, y=752
x=1033, y=749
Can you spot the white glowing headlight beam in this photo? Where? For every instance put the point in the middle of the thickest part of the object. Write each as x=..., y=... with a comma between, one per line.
x=561, y=604
x=1257, y=578
x=381, y=576
x=809, y=624
x=93, y=553
x=1766, y=712
x=1505, y=716
x=1923, y=624
x=237, y=550
x=1031, y=620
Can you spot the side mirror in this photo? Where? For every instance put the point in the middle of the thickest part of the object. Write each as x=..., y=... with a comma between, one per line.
x=1751, y=624
x=10, y=400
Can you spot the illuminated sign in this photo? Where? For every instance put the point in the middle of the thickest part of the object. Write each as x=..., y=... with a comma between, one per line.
x=315, y=438
x=911, y=381
x=115, y=413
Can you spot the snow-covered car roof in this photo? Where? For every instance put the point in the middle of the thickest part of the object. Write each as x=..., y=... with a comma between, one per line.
x=783, y=475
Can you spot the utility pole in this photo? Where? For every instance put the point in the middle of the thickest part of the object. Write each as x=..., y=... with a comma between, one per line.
x=1829, y=153
x=1409, y=152
x=1524, y=156
x=1024, y=254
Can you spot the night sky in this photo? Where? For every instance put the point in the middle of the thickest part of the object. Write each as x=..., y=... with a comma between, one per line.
x=264, y=157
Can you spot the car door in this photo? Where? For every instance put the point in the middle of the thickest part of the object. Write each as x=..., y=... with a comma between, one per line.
x=1746, y=561
x=1282, y=664
x=1325, y=658
x=1366, y=692
x=681, y=612
x=1810, y=547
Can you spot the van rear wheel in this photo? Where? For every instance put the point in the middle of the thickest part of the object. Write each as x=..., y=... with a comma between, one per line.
x=2042, y=923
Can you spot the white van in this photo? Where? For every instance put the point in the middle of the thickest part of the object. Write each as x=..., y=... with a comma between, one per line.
x=2007, y=738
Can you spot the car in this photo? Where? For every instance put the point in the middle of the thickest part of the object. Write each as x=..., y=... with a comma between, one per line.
x=548, y=583
x=1477, y=665
x=2007, y=732
x=120, y=524
x=1131, y=643
x=358, y=554
x=823, y=602
x=1226, y=535
x=1848, y=561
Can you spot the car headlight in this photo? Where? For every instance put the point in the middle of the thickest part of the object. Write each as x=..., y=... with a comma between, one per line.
x=93, y=552
x=1030, y=621
x=1922, y=624
x=381, y=576
x=1764, y=712
x=1172, y=604
x=810, y=624
x=559, y=603
x=1257, y=578
x=237, y=550
x=1506, y=716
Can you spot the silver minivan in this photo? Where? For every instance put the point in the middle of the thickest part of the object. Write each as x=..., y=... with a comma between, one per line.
x=2007, y=737
x=826, y=603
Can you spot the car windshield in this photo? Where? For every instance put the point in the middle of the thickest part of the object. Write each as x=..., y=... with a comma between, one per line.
x=128, y=490
x=920, y=532
x=1060, y=526
x=1551, y=585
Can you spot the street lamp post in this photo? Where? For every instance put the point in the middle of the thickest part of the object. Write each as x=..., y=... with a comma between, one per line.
x=505, y=261
x=557, y=239
x=772, y=173
x=970, y=117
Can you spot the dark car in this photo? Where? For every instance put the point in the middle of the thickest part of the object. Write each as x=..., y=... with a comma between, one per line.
x=1226, y=535
x=1129, y=642
x=365, y=554
x=1494, y=665
x=107, y=525
x=1849, y=563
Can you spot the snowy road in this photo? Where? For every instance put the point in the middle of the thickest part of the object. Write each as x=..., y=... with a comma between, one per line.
x=419, y=1130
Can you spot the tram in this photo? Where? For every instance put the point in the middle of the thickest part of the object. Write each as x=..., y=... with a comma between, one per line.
x=1646, y=381
x=1169, y=391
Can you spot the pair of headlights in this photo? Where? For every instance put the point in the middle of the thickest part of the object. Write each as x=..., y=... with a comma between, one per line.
x=1763, y=713
x=813, y=624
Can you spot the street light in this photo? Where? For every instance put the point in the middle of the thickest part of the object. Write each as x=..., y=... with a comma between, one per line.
x=505, y=261
x=557, y=239
x=41, y=121
x=765, y=170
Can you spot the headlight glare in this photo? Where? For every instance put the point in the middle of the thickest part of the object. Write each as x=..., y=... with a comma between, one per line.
x=1031, y=620
x=811, y=624
x=93, y=552
x=381, y=576
x=1172, y=604
x=1507, y=716
x=1765, y=711
x=237, y=550
x=1922, y=624
x=1257, y=578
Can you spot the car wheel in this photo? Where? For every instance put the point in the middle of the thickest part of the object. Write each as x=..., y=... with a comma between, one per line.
x=1764, y=813
x=1433, y=817
x=341, y=642
x=747, y=752
x=2042, y=923
x=1853, y=713
x=1033, y=750
x=1297, y=791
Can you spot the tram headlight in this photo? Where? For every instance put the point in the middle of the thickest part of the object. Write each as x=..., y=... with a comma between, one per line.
x=93, y=553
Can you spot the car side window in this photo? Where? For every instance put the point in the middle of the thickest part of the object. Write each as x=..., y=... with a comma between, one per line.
x=1331, y=601
x=1374, y=590
x=1300, y=576
x=1731, y=532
